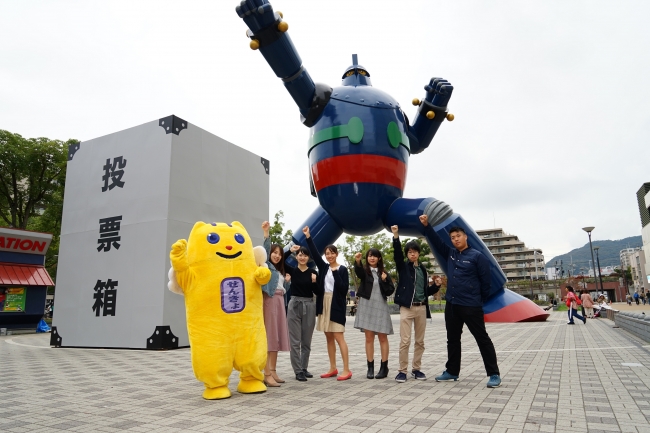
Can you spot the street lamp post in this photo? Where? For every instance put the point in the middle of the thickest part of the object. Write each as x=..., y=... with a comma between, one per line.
x=600, y=275
x=589, y=230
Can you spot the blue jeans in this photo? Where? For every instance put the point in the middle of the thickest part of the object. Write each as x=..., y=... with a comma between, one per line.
x=574, y=313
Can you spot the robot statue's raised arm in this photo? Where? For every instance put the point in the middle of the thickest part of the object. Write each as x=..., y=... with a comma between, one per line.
x=359, y=145
x=268, y=34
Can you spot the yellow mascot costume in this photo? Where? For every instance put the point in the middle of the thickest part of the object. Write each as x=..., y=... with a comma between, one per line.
x=218, y=274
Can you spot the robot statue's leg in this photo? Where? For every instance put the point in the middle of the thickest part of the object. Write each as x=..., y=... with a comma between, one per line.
x=503, y=305
x=322, y=229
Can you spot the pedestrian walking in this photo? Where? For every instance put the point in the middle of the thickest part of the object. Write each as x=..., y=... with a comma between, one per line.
x=373, y=317
x=572, y=301
x=468, y=287
x=588, y=304
x=636, y=297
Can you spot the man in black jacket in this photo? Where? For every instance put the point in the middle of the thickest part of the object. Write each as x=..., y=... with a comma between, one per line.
x=468, y=286
x=412, y=295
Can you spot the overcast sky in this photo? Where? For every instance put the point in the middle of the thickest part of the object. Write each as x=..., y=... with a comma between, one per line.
x=550, y=98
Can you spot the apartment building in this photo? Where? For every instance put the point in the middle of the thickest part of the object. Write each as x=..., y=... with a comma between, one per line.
x=640, y=280
x=516, y=260
x=625, y=255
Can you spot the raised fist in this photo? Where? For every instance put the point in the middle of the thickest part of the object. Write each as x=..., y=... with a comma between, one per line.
x=305, y=230
x=178, y=255
x=438, y=91
x=394, y=229
x=424, y=219
x=179, y=249
x=266, y=225
x=257, y=14
x=295, y=248
x=357, y=257
x=262, y=275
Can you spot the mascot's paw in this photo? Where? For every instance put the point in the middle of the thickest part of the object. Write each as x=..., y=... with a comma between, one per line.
x=178, y=254
x=260, y=256
x=251, y=386
x=173, y=283
x=262, y=275
x=216, y=393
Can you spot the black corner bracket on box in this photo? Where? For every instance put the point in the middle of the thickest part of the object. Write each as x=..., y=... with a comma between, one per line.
x=162, y=338
x=72, y=149
x=172, y=124
x=55, y=338
x=267, y=165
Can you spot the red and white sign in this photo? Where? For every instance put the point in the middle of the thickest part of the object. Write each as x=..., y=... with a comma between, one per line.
x=23, y=241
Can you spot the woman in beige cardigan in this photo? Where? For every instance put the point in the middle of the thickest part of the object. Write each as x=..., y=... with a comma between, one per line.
x=588, y=303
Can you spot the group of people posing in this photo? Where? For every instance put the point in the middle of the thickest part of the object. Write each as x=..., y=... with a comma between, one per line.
x=319, y=299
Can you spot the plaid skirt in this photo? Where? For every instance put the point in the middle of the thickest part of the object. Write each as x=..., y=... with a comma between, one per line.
x=373, y=314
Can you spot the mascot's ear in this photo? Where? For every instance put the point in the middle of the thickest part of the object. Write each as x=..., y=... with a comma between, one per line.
x=260, y=256
x=237, y=223
x=197, y=225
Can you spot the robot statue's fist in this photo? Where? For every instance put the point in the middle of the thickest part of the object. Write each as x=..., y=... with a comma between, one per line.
x=257, y=14
x=439, y=91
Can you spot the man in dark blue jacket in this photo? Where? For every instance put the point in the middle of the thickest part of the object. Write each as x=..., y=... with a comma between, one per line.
x=468, y=286
x=412, y=295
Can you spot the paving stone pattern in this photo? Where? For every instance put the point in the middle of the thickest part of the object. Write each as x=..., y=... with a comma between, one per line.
x=556, y=378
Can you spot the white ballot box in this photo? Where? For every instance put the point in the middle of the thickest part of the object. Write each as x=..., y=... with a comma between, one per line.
x=128, y=197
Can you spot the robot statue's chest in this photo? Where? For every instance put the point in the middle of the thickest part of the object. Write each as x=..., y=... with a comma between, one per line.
x=360, y=120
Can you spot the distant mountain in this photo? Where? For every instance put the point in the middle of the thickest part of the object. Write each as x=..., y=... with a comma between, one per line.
x=609, y=254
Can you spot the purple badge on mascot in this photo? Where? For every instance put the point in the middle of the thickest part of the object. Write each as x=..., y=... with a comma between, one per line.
x=232, y=295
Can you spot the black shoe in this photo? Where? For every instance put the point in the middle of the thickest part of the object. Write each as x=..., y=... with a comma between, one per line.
x=383, y=370
x=301, y=377
x=307, y=374
x=371, y=370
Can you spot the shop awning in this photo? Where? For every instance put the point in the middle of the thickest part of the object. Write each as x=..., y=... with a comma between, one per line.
x=27, y=275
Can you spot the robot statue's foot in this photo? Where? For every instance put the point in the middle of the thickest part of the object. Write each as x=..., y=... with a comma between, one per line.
x=508, y=306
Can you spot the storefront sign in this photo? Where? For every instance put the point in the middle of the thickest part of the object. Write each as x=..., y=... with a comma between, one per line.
x=20, y=241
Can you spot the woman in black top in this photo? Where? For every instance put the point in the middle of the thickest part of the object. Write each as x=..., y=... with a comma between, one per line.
x=333, y=283
x=301, y=311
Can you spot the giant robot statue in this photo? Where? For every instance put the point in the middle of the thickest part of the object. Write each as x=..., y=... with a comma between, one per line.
x=359, y=145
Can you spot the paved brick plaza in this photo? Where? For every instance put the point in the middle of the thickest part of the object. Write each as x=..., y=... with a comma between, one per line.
x=556, y=378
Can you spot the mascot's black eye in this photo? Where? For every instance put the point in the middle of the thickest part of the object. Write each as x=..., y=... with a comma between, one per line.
x=213, y=238
x=239, y=238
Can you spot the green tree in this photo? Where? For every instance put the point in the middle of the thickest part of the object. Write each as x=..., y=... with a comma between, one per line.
x=627, y=275
x=276, y=231
x=425, y=252
x=32, y=172
x=32, y=182
x=356, y=244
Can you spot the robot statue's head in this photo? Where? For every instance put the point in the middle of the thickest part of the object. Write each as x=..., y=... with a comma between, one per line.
x=356, y=75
